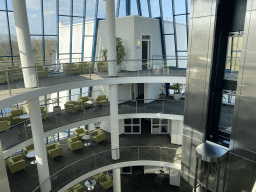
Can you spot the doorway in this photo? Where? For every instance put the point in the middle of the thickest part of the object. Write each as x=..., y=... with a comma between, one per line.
x=145, y=126
x=146, y=51
x=140, y=91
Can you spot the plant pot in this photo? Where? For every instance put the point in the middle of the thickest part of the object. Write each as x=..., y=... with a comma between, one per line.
x=56, y=109
x=161, y=96
x=177, y=96
x=97, y=127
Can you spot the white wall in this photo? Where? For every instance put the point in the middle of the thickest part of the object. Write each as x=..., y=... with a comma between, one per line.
x=105, y=125
x=152, y=91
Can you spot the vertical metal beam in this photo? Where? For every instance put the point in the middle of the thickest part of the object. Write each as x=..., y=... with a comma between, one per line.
x=69, y=94
x=118, y=8
x=139, y=7
x=9, y=31
x=187, y=19
x=95, y=32
x=83, y=32
x=90, y=92
x=42, y=20
x=71, y=29
x=57, y=25
x=128, y=7
x=162, y=29
x=175, y=34
x=149, y=9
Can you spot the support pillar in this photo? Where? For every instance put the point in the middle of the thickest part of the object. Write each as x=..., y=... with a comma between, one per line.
x=177, y=132
x=111, y=37
x=24, y=42
x=117, y=180
x=39, y=144
x=4, y=182
x=113, y=99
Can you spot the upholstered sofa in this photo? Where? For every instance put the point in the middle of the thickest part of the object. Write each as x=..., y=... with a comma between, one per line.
x=44, y=112
x=5, y=122
x=87, y=67
x=54, y=150
x=102, y=100
x=72, y=68
x=98, y=135
x=42, y=71
x=16, y=163
x=3, y=78
x=28, y=149
x=74, y=143
x=15, y=115
x=96, y=177
x=79, y=132
x=102, y=66
x=106, y=181
x=73, y=106
x=84, y=100
x=76, y=188
x=15, y=73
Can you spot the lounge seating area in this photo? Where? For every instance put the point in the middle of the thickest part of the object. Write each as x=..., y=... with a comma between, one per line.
x=42, y=71
x=54, y=150
x=74, y=143
x=15, y=73
x=102, y=100
x=80, y=132
x=102, y=66
x=5, y=122
x=14, y=114
x=16, y=163
x=106, y=181
x=73, y=106
x=28, y=149
x=84, y=100
x=72, y=68
x=98, y=135
x=87, y=67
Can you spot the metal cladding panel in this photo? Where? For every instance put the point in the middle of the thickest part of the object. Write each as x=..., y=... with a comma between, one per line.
x=194, y=110
x=249, y=70
x=204, y=8
x=248, y=91
x=201, y=47
x=253, y=4
x=240, y=174
x=245, y=135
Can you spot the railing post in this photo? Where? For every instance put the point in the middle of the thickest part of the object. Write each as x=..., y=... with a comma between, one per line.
x=8, y=82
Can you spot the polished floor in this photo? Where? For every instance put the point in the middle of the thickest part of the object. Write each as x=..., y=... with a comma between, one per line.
x=26, y=181
x=18, y=133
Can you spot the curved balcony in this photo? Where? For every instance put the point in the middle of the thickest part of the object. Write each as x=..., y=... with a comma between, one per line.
x=99, y=162
x=11, y=80
x=20, y=133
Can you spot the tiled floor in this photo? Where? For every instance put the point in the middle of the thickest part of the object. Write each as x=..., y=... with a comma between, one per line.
x=26, y=181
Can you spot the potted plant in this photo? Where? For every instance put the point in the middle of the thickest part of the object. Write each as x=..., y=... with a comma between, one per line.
x=176, y=87
x=162, y=95
x=97, y=125
x=104, y=54
x=120, y=53
x=56, y=108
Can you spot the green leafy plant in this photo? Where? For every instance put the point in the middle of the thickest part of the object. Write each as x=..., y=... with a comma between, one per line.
x=176, y=87
x=120, y=51
x=97, y=124
x=104, y=54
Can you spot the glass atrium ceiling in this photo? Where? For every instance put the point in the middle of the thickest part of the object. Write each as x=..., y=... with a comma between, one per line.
x=45, y=16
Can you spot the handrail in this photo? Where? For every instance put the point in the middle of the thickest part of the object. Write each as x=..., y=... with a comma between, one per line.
x=117, y=150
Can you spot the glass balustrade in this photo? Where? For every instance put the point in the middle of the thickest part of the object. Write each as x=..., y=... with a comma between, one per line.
x=20, y=132
x=102, y=159
x=56, y=72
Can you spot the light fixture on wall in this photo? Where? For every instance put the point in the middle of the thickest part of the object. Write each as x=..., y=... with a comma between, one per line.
x=138, y=42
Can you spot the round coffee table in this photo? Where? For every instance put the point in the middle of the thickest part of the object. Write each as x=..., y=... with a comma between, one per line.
x=90, y=183
x=93, y=104
x=86, y=138
x=32, y=154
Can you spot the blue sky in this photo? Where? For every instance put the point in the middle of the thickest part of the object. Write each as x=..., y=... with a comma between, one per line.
x=34, y=12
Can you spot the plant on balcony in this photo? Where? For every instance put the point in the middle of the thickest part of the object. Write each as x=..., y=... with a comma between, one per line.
x=120, y=50
x=97, y=125
x=104, y=54
x=176, y=87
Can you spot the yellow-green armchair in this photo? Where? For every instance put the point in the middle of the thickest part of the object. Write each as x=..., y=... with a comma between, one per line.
x=5, y=122
x=102, y=66
x=84, y=100
x=102, y=100
x=72, y=68
x=79, y=132
x=15, y=73
x=42, y=71
x=54, y=150
x=44, y=112
x=74, y=143
x=73, y=106
x=16, y=163
x=15, y=115
x=96, y=177
x=28, y=149
x=106, y=181
x=87, y=67
x=76, y=188
x=98, y=135
x=3, y=78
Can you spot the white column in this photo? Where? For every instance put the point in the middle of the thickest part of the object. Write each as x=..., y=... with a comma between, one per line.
x=117, y=180
x=4, y=182
x=174, y=176
x=39, y=143
x=113, y=99
x=111, y=36
x=177, y=132
x=24, y=42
